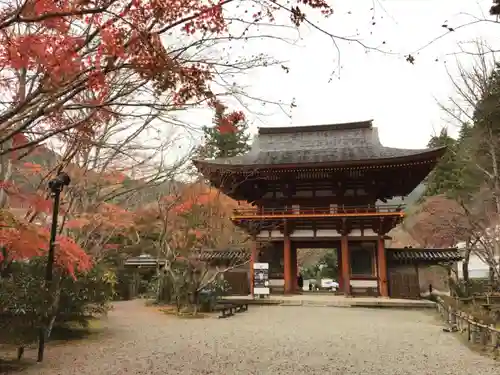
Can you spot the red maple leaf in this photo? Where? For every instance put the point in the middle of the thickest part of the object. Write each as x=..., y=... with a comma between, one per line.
x=38, y=36
x=23, y=241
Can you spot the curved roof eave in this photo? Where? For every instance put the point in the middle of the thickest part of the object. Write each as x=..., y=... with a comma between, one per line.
x=426, y=155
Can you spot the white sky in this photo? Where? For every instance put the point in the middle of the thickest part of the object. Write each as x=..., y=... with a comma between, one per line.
x=401, y=98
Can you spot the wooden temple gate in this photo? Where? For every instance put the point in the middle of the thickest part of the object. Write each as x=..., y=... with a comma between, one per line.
x=323, y=183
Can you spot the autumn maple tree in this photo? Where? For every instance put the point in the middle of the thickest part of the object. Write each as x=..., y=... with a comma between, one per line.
x=438, y=221
x=196, y=216
x=69, y=67
x=21, y=241
x=190, y=220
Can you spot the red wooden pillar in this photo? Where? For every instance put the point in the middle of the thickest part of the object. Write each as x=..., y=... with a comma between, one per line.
x=346, y=266
x=339, y=270
x=253, y=259
x=287, y=263
x=382, y=268
x=296, y=288
x=295, y=269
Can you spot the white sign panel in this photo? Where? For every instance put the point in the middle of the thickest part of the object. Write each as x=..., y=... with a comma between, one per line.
x=261, y=278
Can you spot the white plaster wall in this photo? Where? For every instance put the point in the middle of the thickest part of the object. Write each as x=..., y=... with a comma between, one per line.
x=477, y=268
x=277, y=282
x=320, y=233
x=364, y=283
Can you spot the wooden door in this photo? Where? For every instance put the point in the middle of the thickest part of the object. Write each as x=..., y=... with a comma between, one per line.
x=404, y=285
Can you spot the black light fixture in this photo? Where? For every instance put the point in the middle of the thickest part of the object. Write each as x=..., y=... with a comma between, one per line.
x=55, y=186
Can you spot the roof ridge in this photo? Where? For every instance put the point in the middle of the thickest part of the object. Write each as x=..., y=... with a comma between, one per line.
x=367, y=124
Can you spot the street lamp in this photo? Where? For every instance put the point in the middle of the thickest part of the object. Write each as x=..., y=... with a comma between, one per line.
x=55, y=186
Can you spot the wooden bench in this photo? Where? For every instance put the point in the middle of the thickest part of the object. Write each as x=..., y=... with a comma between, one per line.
x=225, y=310
x=229, y=308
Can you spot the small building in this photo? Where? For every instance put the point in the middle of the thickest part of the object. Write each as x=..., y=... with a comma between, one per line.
x=415, y=272
x=232, y=263
x=321, y=187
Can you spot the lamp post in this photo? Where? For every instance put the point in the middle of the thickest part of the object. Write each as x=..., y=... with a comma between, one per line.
x=55, y=187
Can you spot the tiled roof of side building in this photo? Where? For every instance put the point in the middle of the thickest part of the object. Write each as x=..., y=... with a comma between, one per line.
x=423, y=255
x=326, y=144
x=205, y=255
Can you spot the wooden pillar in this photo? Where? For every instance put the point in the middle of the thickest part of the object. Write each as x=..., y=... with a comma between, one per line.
x=382, y=268
x=346, y=265
x=287, y=263
x=339, y=270
x=254, y=257
x=295, y=269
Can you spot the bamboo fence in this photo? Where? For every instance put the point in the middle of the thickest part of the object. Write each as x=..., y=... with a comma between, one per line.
x=476, y=332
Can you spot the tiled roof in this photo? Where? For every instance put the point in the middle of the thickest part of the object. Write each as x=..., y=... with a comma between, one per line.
x=147, y=260
x=225, y=255
x=423, y=255
x=329, y=144
x=144, y=260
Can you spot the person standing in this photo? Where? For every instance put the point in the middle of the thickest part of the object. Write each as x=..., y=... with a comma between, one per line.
x=300, y=282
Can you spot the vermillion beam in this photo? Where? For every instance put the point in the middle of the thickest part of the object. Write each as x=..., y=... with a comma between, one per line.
x=346, y=265
x=291, y=215
x=382, y=268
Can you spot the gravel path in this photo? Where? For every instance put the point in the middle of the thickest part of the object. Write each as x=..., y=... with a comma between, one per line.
x=269, y=340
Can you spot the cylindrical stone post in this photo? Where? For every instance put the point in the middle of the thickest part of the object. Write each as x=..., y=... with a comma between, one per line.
x=453, y=318
x=494, y=337
x=484, y=334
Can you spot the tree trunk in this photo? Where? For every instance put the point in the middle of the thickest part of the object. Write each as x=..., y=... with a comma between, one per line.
x=20, y=352
x=465, y=270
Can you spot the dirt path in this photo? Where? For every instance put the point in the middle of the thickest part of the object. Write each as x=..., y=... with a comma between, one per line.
x=268, y=340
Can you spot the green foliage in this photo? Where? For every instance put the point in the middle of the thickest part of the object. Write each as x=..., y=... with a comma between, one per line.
x=445, y=177
x=310, y=272
x=326, y=268
x=472, y=159
x=329, y=265
x=87, y=296
x=470, y=177
x=23, y=301
x=209, y=295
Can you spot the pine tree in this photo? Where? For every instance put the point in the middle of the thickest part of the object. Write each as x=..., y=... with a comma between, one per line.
x=444, y=179
x=469, y=176
x=227, y=137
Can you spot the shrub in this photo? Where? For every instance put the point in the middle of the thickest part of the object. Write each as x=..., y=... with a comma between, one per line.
x=23, y=300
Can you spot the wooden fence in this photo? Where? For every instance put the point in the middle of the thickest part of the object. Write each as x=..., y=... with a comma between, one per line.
x=476, y=332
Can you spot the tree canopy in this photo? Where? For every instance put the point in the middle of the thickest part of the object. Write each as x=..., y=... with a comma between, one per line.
x=227, y=137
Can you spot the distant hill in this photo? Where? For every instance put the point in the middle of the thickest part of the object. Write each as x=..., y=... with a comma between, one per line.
x=27, y=181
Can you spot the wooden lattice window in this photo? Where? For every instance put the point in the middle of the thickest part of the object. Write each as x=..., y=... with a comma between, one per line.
x=362, y=260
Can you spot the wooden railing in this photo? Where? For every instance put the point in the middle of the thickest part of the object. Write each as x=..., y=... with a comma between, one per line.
x=475, y=332
x=374, y=210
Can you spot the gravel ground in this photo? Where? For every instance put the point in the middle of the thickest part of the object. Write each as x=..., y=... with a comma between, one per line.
x=269, y=340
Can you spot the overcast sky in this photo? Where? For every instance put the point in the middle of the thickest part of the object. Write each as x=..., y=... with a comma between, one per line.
x=400, y=97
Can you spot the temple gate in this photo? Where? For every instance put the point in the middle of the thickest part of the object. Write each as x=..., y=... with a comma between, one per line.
x=321, y=186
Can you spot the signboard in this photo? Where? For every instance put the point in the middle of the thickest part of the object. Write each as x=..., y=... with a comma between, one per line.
x=261, y=278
